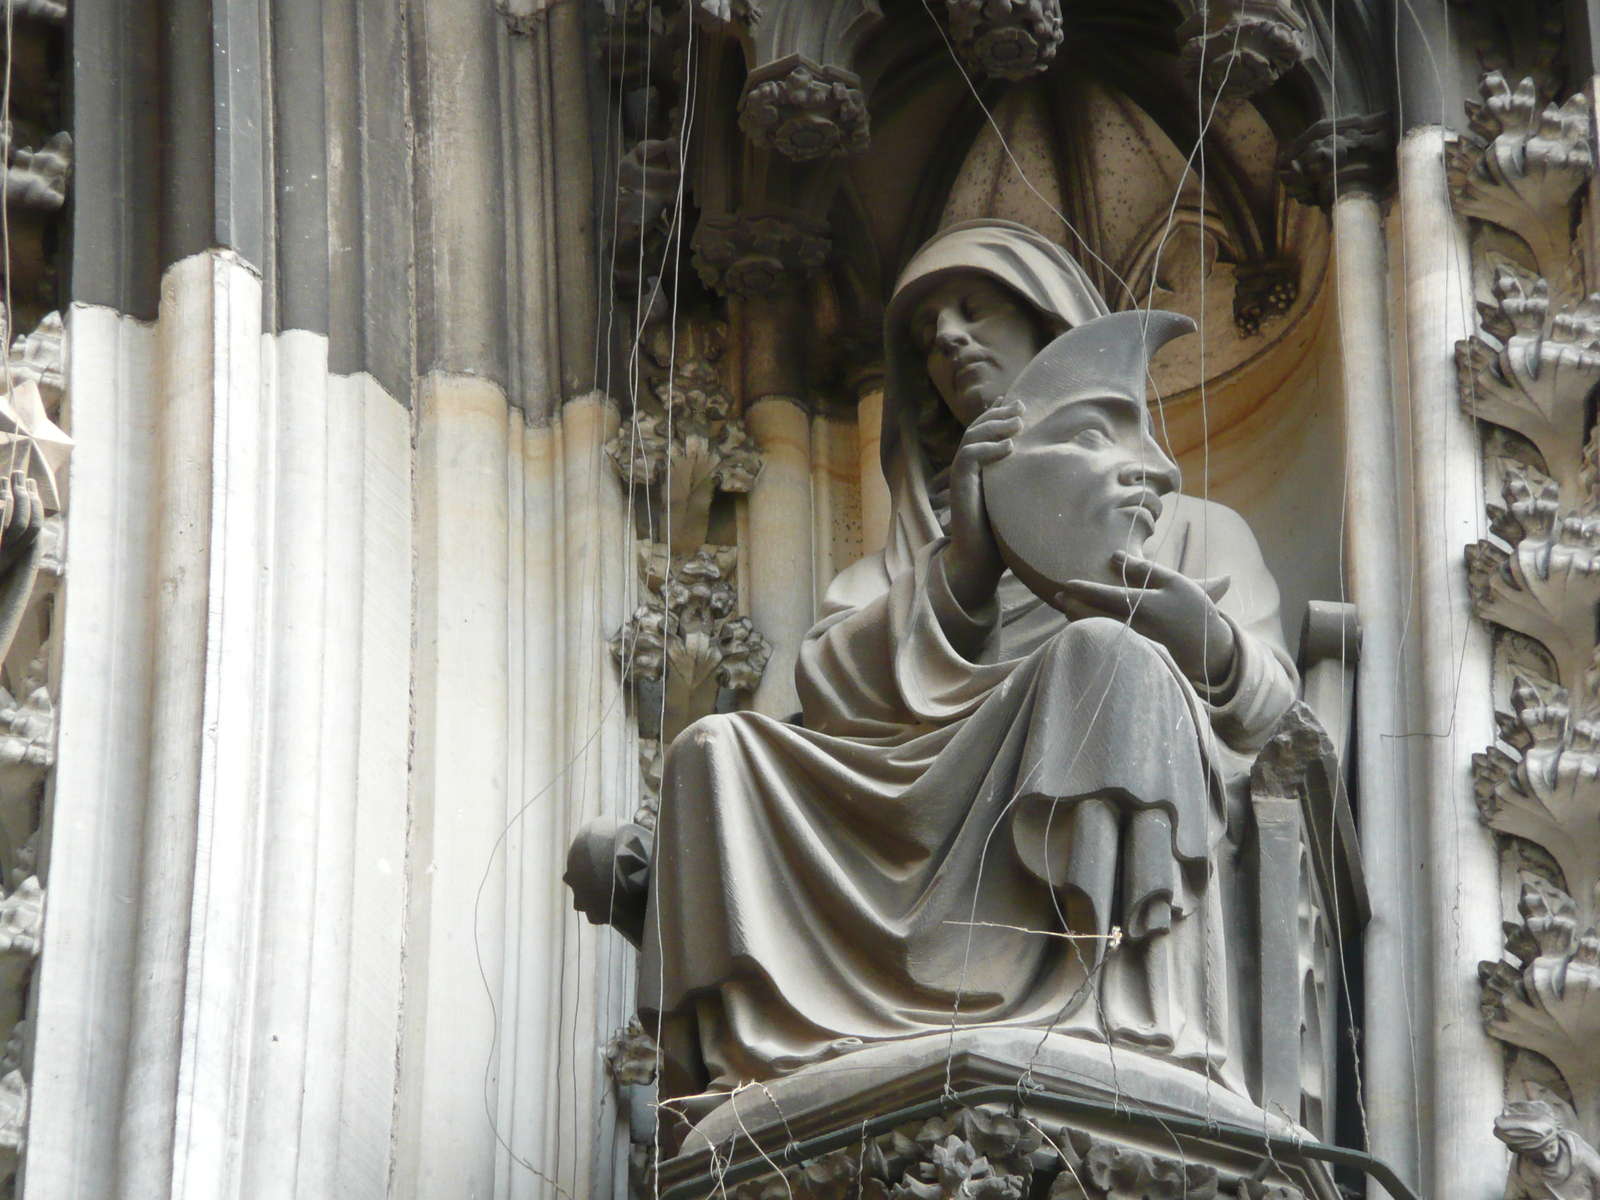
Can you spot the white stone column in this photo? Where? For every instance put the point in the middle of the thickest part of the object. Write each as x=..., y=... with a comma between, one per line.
x=224, y=957
x=1450, y=716
x=875, y=501
x=782, y=600
x=1377, y=574
x=449, y=1076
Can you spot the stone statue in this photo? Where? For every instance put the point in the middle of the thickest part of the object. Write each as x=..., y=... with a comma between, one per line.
x=1552, y=1162
x=996, y=807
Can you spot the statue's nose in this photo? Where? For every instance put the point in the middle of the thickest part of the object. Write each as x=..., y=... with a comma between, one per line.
x=951, y=333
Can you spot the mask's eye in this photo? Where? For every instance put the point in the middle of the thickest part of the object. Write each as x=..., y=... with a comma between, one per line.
x=1092, y=438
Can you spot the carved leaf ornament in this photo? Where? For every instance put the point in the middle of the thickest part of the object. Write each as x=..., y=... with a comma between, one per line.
x=1531, y=368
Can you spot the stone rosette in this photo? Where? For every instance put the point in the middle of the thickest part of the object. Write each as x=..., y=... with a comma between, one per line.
x=758, y=251
x=1009, y=39
x=805, y=111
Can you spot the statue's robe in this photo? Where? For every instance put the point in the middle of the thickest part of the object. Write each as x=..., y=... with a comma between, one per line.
x=961, y=789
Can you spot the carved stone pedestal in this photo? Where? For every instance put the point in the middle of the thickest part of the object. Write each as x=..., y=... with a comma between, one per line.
x=994, y=1114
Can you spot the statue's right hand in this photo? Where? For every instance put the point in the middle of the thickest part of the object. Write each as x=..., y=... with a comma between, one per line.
x=972, y=562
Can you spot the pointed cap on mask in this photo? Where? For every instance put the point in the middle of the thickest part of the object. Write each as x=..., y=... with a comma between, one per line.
x=1108, y=356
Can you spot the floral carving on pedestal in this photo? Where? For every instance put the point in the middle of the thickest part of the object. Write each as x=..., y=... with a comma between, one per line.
x=805, y=111
x=759, y=251
x=1530, y=369
x=1009, y=39
x=1240, y=47
x=977, y=1154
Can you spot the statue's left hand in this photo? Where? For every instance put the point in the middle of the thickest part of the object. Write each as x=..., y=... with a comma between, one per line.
x=1165, y=606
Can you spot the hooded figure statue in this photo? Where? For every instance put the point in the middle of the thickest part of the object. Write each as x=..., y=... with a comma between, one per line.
x=981, y=768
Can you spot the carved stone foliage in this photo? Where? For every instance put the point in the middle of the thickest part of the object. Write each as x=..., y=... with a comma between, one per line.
x=1009, y=39
x=976, y=1154
x=1240, y=47
x=1263, y=292
x=687, y=636
x=804, y=110
x=685, y=651
x=758, y=251
x=631, y=1054
x=1523, y=165
x=684, y=443
x=1529, y=369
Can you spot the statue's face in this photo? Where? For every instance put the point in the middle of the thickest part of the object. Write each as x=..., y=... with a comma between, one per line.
x=1084, y=479
x=977, y=336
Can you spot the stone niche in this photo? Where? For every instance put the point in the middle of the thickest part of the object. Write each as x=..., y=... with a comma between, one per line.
x=805, y=152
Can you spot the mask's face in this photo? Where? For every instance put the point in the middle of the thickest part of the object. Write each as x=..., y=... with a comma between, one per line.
x=1084, y=479
x=977, y=336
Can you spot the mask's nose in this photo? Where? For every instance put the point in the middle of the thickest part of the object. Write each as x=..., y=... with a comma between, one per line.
x=1153, y=469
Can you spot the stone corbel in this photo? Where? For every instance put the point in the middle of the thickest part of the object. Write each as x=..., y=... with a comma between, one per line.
x=1237, y=48
x=759, y=251
x=803, y=96
x=1338, y=153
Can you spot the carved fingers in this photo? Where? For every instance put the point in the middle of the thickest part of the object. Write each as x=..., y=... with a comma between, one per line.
x=1165, y=606
x=972, y=563
x=21, y=517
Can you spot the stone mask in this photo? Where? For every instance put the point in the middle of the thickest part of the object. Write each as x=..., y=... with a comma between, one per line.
x=1085, y=476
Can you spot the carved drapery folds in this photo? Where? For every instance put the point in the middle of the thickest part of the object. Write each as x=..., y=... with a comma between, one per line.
x=1009, y=39
x=1529, y=370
